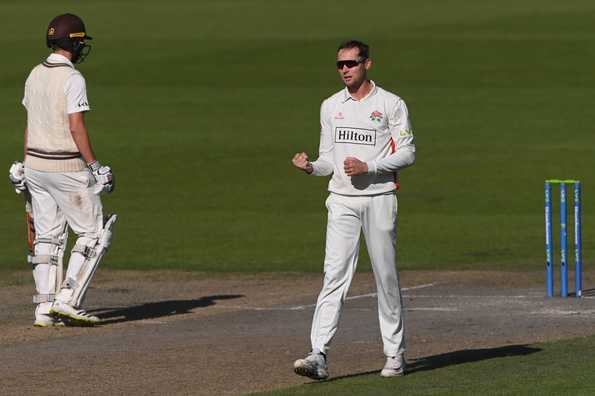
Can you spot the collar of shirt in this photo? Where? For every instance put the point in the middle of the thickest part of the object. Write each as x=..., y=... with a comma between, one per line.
x=57, y=58
x=347, y=95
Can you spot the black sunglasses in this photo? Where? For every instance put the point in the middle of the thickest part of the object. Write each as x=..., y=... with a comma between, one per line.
x=349, y=63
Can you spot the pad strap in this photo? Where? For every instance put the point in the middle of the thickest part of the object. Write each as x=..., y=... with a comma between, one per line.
x=43, y=259
x=51, y=241
x=42, y=298
x=87, y=251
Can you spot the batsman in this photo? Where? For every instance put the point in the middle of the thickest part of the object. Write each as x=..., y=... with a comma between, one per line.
x=61, y=179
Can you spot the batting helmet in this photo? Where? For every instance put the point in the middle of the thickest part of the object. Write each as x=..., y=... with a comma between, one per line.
x=67, y=31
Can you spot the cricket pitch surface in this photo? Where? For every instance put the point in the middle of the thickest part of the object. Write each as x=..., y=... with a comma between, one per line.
x=182, y=333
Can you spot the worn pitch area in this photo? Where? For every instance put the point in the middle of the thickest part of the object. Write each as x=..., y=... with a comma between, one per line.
x=195, y=333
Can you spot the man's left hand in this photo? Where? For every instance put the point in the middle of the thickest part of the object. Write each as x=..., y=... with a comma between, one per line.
x=354, y=167
x=103, y=176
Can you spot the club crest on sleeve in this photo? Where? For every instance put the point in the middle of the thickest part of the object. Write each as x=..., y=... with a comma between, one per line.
x=406, y=132
x=376, y=116
x=339, y=116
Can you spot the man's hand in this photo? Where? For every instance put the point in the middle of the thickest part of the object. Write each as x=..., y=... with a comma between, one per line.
x=354, y=167
x=300, y=161
x=16, y=174
x=103, y=176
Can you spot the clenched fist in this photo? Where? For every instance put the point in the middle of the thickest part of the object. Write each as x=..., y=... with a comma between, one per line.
x=354, y=167
x=300, y=161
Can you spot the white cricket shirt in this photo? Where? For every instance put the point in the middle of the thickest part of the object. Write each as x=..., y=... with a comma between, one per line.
x=375, y=129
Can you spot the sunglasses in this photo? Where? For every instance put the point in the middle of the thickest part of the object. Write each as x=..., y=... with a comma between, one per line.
x=349, y=63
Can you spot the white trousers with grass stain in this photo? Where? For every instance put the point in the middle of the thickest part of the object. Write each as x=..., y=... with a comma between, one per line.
x=59, y=199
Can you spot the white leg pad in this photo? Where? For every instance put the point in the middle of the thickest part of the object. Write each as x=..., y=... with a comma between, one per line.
x=84, y=260
x=47, y=266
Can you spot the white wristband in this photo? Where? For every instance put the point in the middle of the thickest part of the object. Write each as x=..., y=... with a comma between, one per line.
x=372, y=167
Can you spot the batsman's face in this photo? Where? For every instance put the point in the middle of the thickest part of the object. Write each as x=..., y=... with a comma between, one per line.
x=352, y=68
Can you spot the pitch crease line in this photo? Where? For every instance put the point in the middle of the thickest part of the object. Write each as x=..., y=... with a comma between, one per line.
x=302, y=307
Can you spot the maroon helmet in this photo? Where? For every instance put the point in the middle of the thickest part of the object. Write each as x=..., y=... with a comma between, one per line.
x=67, y=31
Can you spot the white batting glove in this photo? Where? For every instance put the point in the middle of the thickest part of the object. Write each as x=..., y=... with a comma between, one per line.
x=103, y=176
x=16, y=174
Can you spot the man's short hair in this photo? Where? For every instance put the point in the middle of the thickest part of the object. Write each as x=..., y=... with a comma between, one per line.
x=363, y=48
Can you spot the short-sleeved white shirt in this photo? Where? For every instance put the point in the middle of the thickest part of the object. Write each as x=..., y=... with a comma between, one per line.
x=375, y=130
x=75, y=88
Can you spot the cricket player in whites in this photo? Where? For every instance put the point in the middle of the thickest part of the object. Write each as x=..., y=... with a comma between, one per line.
x=365, y=139
x=63, y=178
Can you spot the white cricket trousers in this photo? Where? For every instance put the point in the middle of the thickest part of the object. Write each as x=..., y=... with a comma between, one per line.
x=377, y=216
x=60, y=198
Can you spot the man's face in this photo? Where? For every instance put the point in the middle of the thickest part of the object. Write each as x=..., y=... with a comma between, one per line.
x=352, y=73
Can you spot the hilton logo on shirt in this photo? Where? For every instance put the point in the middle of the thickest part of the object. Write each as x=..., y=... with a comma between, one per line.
x=355, y=136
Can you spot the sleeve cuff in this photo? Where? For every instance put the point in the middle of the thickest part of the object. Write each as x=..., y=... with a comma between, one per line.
x=372, y=167
x=314, y=170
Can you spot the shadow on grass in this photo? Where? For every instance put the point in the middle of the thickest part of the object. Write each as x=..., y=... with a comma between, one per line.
x=467, y=356
x=157, y=309
x=453, y=358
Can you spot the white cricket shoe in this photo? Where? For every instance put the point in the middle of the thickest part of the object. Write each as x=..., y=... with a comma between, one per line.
x=394, y=366
x=75, y=316
x=312, y=366
x=43, y=317
x=43, y=320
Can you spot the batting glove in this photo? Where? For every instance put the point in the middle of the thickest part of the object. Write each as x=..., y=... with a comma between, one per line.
x=16, y=174
x=103, y=176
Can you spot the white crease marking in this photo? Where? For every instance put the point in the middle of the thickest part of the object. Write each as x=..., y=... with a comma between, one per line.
x=302, y=307
x=562, y=312
x=472, y=296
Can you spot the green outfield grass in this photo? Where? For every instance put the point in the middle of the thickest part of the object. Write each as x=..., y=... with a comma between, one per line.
x=556, y=368
x=198, y=107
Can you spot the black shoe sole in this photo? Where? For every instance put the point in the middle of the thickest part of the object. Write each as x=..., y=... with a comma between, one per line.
x=304, y=372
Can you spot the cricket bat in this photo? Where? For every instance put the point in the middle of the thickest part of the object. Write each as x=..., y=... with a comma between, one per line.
x=31, y=239
x=30, y=224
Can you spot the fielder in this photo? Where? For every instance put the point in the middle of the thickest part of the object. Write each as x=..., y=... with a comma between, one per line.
x=62, y=179
x=365, y=139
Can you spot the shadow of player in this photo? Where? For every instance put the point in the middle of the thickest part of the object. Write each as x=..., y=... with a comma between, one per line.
x=467, y=356
x=453, y=358
x=158, y=309
x=588, y=293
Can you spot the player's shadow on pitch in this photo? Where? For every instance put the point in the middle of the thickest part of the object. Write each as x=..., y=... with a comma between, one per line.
x=158, y=309
x=457, y=357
